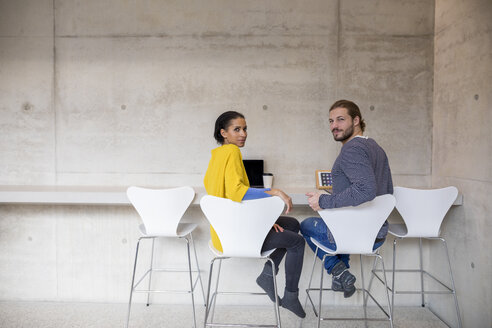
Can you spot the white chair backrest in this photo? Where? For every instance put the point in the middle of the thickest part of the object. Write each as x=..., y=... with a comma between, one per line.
x=161, y=209
x=355, y=228
x=423, y=210
x=242, y=226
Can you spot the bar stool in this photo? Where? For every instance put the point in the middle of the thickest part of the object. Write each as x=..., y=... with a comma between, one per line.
x=423, y=212
x=161, y=211
x=354, y=229
x=242, y=228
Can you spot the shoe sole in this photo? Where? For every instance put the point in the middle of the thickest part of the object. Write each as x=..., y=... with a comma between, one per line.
x=348, y=293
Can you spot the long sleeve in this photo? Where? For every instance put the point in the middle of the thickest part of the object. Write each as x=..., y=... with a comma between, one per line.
x=235, y=179
x=256, y=193
x=355, y=165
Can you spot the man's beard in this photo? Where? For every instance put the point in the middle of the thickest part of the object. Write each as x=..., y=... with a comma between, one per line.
x=346, y=134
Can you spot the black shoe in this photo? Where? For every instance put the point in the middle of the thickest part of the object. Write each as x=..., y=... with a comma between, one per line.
x=349, y=291
x=291, y=303
x=266, y=283
x=343, y=280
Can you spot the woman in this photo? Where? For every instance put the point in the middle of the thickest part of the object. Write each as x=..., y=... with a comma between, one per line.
x=226, y=177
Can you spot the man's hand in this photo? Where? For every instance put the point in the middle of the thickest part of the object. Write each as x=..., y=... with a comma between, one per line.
x=313, y=200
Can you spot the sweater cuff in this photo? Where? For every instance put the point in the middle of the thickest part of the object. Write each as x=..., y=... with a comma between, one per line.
x=325, y=201
x=256, y=193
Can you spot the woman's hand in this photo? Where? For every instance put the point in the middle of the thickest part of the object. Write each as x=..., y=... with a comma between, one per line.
x=286, y=198
x=278, y=228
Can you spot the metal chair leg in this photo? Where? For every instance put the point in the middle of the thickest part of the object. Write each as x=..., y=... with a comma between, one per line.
x=191, y=281
x=207, y=303
x=198, y=268
x=310, y=280
x=390, y=307
x=276, y=305
x=421, y=273
x=374, y=267
x=393, y=278
x=321, y=291
x=366, y=294
x=452, y=282
x=133, y=281
x=214, y=298
x=363, y=288
x=151, y=268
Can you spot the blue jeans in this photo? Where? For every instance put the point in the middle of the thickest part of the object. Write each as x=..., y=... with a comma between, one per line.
x=316, y=228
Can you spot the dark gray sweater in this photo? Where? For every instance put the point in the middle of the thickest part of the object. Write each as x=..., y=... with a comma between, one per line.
x=360, y=173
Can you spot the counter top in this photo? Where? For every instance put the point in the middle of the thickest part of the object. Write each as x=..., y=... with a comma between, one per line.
x=105, y=195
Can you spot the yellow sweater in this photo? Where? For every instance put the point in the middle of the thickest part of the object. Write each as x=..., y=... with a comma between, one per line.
x=226, y=178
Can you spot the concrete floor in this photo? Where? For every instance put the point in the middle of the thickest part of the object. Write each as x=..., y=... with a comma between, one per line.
x=51, y=314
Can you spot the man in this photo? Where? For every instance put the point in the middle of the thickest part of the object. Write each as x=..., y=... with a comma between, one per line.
x=360, y=173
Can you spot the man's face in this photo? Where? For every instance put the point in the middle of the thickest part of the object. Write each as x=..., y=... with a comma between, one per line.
x=341, y=124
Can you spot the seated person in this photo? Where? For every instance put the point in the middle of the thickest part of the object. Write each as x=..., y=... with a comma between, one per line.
x=360, y=173
x=226, y=178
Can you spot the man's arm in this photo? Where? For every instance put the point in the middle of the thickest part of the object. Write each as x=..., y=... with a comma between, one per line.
x=356, y=166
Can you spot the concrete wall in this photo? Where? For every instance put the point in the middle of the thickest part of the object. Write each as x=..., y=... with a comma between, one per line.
x=120, y=93
x=462, y=152
x=112, y=93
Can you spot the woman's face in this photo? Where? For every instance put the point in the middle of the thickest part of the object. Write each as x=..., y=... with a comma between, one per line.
x=236, y=132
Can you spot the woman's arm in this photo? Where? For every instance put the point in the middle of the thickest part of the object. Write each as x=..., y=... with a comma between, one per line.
x=286, y=198
x=234, y=175
x=256, y=193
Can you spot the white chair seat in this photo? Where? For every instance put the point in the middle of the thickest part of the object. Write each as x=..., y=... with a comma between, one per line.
x=322, y=247
x=329, y=250
x=398, y=230
x=183, y=229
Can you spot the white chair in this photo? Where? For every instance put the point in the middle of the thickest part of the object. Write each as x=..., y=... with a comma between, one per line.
x=354, y=229
x=242, y=228
x=423, y=212
x=161, y=211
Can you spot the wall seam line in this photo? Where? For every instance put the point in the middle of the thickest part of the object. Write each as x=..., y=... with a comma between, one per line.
x=338, y=48
x=55, y=164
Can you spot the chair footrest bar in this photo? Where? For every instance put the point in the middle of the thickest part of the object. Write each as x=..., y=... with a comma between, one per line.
x=173, y=270
x=354, y=319
x=413, y=292
x=237, y=325
x=163, y=291
x=357, y=289
x=142, y=278
x=239, y=293
x=380, y=279
x=450, y=290
x=397, y=270
x=439, y=317
x=161, y=271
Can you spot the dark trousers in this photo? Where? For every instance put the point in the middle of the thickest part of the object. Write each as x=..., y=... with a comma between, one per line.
x=288, y=242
